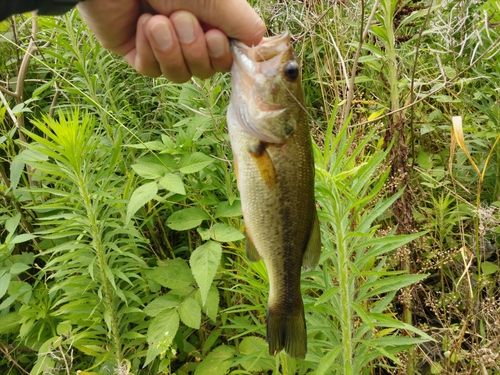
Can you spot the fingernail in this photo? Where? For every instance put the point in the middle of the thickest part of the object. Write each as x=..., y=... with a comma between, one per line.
x=145, y=18
x=162, y=36
x=216, y=46
x=184, y=26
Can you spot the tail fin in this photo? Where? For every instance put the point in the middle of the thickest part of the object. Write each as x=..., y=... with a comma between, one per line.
x=287, y=330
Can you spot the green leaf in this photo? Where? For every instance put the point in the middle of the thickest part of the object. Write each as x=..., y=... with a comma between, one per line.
x=140, y=197
x=22, y=238
x=225, y=233
x=424, y=160
x=217, y=362
x=175, y=274
x=211, y=306
x=380, y=32
x=161, y=333
x=12, y=222
x=224, y=209
x=16, y=170
x=204, y=263
x=326, y=362
x=190, y=313
x=204, y=233
x=43, y=363
x=168, y=143
x=20, y=108
x=256, y=354
x=10, y=323
x=194, y=162
x=436, y=368
x=18, y=268
x=488, y=268
x=63, y=328
x=150, y=171
x=388, y=284
x=159, y=304
x=173, y=183
x=4, y=284
x=187, y=218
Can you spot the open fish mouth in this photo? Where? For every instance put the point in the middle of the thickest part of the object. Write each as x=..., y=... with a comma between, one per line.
x=256, y=74
x=248, y=58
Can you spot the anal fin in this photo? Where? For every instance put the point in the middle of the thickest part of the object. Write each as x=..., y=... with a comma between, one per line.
x=313, y=251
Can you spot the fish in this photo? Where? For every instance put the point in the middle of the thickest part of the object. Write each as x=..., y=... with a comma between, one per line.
x=273, y=159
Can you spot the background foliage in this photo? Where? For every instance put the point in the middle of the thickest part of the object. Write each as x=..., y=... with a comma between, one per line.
x=121, y=225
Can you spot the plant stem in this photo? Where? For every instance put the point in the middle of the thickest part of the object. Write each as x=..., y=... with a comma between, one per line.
x=345, y=290
x=99, y=249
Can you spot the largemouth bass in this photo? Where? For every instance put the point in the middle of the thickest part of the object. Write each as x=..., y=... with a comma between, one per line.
x=269, y=133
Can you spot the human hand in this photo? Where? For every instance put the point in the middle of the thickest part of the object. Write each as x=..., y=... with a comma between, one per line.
x=176, y=38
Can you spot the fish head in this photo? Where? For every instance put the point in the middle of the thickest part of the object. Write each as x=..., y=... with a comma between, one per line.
x=267, y=98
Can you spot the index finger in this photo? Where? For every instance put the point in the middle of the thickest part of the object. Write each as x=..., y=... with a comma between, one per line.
x=236, y=18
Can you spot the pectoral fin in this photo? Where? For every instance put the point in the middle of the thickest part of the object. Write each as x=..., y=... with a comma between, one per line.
x=264, y=164
x=313, y=250
x=251, y=251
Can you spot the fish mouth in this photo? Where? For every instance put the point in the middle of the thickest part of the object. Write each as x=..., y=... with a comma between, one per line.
x=254, y=69
x=247, y=58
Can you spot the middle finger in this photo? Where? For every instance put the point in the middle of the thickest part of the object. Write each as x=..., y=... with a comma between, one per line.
x=192, y=41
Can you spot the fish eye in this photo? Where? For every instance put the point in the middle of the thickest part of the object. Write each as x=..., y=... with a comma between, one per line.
x=291, y=70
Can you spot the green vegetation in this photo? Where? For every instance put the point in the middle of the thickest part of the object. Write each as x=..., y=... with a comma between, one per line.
x=121, y=230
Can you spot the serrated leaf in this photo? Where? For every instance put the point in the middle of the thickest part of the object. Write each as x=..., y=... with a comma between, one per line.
x=154, y=146
x=187, y=218
x=204, y=233
x=204, y=263
x=168, y=143
x=173, y=183
x=224, y=209
x=194, y=162
x=150, y=171
x=175, y=274
x=159, y=304
x=211, y=306
x=225, y=233
x=217, y=362
x=161, y=333
x=140, y=197
x=190, y=313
